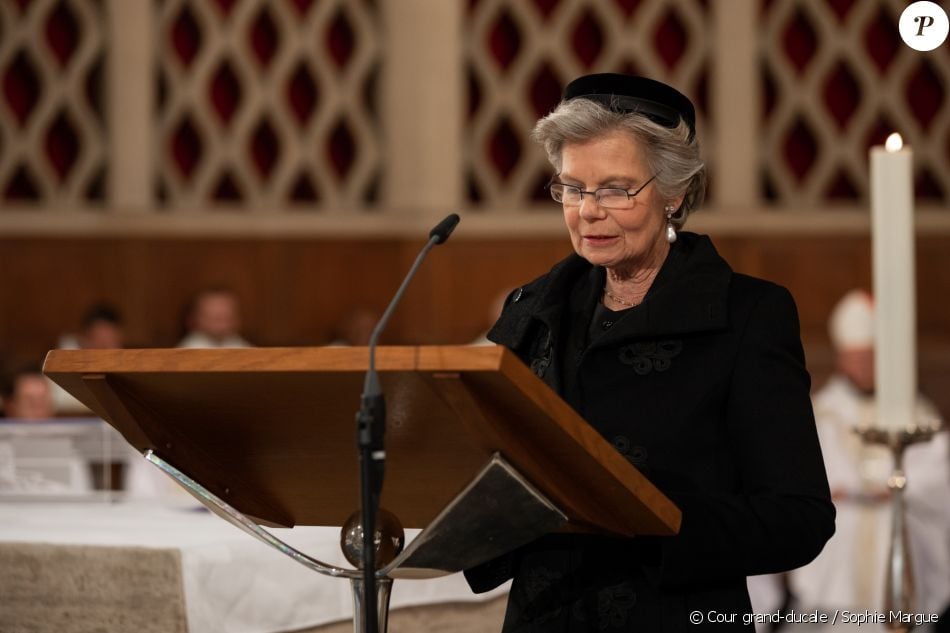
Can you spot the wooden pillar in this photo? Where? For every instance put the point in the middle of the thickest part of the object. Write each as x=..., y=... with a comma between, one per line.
x=131, y=97
x=736, y=104
x=423, y=105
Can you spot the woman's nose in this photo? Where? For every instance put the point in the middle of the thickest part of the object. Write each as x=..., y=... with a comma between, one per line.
x=590, y=208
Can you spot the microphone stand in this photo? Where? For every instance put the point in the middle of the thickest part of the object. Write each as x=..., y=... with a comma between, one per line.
x=371, y=427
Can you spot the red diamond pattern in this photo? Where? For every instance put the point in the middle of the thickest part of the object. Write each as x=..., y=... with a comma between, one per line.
x=186, y=148
x=341, y=149
x=585, y=29
x=62, y=33
x=841, y=94
x=21, y=88
x=95, y=89
x=670, y=40
x=264, y=38
x=504, y=149
x=926, y=186
x=473, y=191
x=800, y=41
x=769, y=91
x=923, y=89
x=370, y=92
x=474, y=93
x=43, y=73
x=924, y=93
x=700, y=94
x=303, y=190
x=265, y=149
x=302, y=94
x=878, y=132
x=225, y=93
x=587, y=39
x=800, y=149
x=882, y=40
x=341, y=40
x=545, y=90
x=300, y=84
x=21, y=186
x=841, y=187
x=227, y=189
x=185, y=36
x=62, y=146
x=504, y=40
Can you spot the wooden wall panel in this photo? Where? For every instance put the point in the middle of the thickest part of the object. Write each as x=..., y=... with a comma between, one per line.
x=294, y=290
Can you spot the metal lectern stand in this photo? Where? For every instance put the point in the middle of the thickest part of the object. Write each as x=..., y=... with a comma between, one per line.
x=481, y=454
x=497, y=512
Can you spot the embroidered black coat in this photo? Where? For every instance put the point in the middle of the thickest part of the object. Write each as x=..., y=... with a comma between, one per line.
x=703, y=388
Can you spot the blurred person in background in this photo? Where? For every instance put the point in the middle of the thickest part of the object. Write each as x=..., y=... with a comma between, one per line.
x=850, y=572
x=355, y=328
x=214, y=320
x=27, y=396
x=99, y=328
x=102, y=328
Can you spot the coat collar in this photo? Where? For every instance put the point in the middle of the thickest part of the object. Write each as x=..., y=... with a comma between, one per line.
x=689, y=295
x=691, y=292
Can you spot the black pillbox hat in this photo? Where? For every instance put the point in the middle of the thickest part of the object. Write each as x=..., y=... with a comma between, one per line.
x=655, y=100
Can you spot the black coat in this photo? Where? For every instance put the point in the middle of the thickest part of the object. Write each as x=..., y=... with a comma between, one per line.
x=703, y=388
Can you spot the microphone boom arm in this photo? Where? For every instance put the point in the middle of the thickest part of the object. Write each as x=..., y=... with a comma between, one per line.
x=371, y=428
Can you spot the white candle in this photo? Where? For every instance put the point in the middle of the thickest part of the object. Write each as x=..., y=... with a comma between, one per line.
x=892, y=217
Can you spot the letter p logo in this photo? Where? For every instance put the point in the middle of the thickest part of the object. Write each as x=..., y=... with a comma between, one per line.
x=924, y=21
x=924, y=26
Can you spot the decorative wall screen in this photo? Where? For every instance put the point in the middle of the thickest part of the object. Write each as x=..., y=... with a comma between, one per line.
x=836, y=79
x=520, y=53
x=53, y=131
x=268, y=104
x=265, y=105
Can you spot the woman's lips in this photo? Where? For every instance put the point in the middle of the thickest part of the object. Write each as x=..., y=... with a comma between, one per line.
x=599, y=240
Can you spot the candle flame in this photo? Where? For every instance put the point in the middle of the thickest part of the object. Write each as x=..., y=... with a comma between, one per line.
x=894, y=142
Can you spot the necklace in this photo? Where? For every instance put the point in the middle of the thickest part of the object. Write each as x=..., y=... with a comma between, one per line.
x=619, y=300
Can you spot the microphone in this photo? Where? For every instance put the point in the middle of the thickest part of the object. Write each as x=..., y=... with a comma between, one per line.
x=437, y=235
x=371, y=427
x=444, y=229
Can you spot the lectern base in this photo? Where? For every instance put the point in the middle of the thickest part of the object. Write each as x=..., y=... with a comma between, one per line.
x=498, y=511
x=384, y=588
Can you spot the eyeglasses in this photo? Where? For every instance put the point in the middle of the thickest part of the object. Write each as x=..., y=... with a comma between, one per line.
x=607, y=197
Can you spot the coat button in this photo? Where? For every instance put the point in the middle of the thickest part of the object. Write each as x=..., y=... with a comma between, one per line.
x=621, y=443
x=638, y=456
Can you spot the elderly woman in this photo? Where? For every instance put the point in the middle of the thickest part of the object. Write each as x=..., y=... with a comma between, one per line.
x=693, y=372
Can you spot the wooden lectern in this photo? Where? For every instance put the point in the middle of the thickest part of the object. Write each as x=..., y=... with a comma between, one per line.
x=480, y=453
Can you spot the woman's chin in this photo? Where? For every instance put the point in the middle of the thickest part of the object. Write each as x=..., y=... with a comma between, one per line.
x=599, y=256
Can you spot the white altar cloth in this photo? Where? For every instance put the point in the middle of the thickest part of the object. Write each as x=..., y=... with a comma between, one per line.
x=232, y=583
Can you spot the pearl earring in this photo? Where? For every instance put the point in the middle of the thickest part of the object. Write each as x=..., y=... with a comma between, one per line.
x=670, y=230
